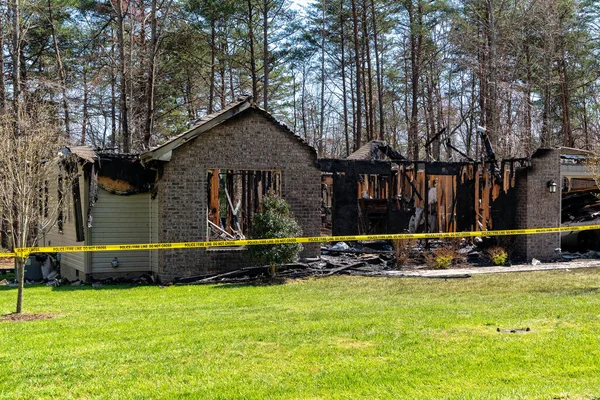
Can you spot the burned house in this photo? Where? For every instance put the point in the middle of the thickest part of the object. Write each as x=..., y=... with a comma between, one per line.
x=204, y=184
x=376, y=191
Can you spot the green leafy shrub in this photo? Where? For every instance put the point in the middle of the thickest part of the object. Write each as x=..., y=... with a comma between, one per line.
x=441, y=258
x=497, y=255
x=274, y=221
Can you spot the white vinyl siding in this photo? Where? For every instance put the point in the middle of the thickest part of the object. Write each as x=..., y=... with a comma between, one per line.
x=121, y=220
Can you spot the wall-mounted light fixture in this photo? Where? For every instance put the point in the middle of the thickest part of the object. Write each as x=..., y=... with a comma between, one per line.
x=551, y=184
x=115, y=262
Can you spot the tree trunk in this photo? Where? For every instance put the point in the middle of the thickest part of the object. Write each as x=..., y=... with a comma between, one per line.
x=586, y=135
x=365, y=91
x=303, y=103
x=429, y=118
x=322, y=100
x=492, y=77
x=20, y=262
x=149, y=120
x=113, y=99
x=16, y=73
x=528, y=135
x=294, y=105
x=343, y=62
x=61, y=72
x=213, y=50
x=416, y=44
x=369, y=75
x=565, y=98
x=2, y=82
x=84, y=118
x=357, y=136
x=266, y=63
x=123, y=90
x=378, y=72
x=253, y=73
x=222, y=74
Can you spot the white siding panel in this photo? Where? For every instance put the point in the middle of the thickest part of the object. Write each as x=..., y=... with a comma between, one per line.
x=121, y=220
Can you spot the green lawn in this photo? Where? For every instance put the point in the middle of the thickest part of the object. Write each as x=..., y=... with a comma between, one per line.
x=334, y=338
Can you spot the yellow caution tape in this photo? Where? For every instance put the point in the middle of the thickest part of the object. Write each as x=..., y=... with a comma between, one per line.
x=23, y=252
x=7, y=255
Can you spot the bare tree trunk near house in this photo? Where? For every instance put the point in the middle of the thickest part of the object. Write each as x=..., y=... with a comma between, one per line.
x=586, y=135
x=492, y=76
x=378, y=71
x=303, y=103
x=222, y=74
x=230, y=66
x=365, y=92
x=123, y=89
x=483, y=91
x=253, y=72
x=322, y=94
x=84, y=118
x=16, y=59
x=528, y=135
x=472, y=121
x=429, y=117
x=266, y=56
x=150, y=84
x=61, y=72
x=294, y=105
x=353, y=108
x=213, y=51
x=369, y=75
x=358, y=111
x=565, y=98
x=343, y=64
x=416, y=44
x=437, y=143
x=113, y=98
x=2, y=81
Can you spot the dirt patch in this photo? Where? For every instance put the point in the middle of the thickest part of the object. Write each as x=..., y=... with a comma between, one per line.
x=24, y=317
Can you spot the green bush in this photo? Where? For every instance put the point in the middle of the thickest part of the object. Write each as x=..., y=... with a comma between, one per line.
x=274, y=221
x=497, y=255
x=441, y=258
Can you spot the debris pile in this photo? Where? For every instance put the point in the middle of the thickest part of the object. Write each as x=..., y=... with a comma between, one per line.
x=339, y=259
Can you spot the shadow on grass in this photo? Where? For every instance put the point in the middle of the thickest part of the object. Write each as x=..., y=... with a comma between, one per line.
x=571, y=292
x=69, y=288
x=250, y=283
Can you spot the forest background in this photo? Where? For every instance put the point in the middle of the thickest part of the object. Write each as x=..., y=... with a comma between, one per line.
x=125, y=75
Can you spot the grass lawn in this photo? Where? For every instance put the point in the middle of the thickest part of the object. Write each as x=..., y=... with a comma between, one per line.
x=334, y=338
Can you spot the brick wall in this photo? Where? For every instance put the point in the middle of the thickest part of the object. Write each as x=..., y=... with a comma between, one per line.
x=537, y=207
x=247, y=141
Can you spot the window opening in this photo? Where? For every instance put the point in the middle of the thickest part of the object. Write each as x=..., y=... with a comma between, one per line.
x=233, y=198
